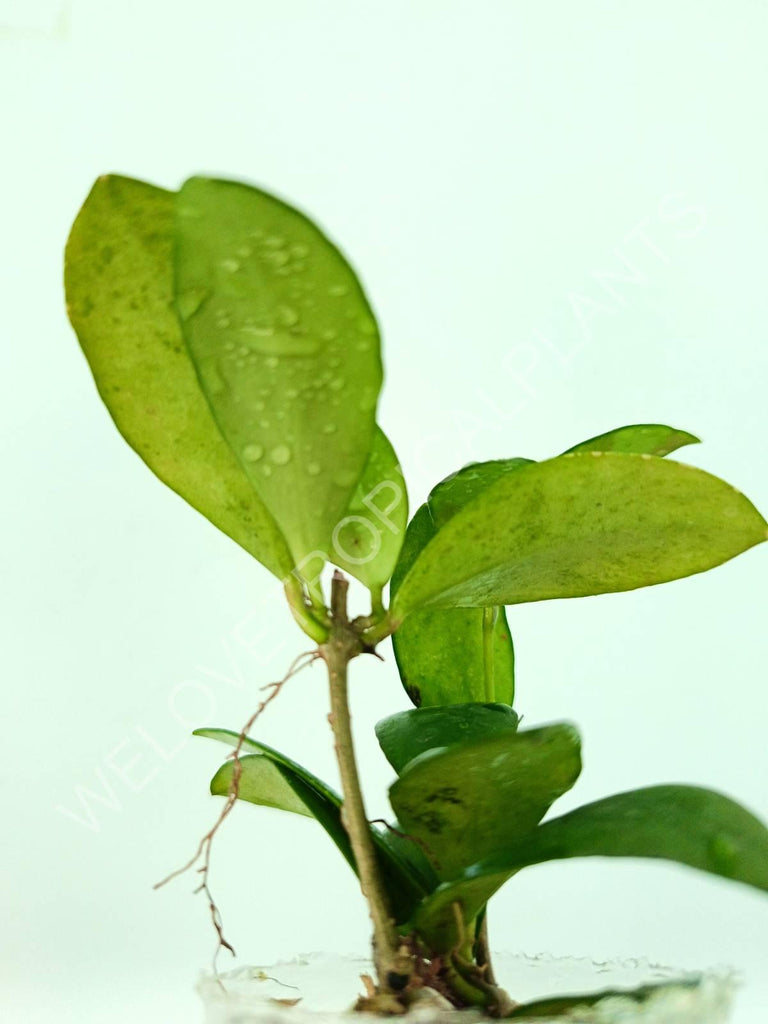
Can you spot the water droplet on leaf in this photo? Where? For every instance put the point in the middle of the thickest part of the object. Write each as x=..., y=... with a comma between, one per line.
x=281, y=455
x=252, y=452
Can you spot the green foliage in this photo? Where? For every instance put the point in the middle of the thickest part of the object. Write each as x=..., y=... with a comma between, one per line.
x=580, y=524
x=686, y=824
x=271, y=779
x=119, y=283
x=238, y=355
x=286, y=349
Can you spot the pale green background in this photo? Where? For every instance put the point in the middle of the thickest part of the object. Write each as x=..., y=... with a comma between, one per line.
x=482, y=163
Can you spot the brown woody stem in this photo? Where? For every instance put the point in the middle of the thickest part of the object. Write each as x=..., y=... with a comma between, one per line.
x=342, y=646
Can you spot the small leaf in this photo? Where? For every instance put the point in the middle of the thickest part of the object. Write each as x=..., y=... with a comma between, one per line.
x=441, y=654
x=692, y=826
x=468, y=799
x=408, y=734
x=649, y=996
x=119, y=284
x=638, y=439
x=271, y=779
x=581, y=524
x=286, y=349
x=368, y=538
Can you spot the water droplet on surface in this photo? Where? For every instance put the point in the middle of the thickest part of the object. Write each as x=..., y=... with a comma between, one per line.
x=252, y=452
x=258, y=331
x=231, y=266
x=264, y=424
x=337, y=289
x=291, y=393
x=299, y=250
x=266, y=469
x=273, y=241
x=271, y=362
x=336, y=384
x=366, y=325
x=278, y=257
x=313, y=468
x=328, y=334
x=723, y=852
x=363, y=346
x=245, y=251
x=287, y=315
x=646, y=456
x=281, y=455
x=329, y=428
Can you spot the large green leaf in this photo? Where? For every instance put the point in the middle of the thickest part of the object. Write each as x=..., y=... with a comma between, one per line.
x=686, y=824
x=407, y=734
x=467, y=800
x=286, y=349
x=453, y=655
x=638, y=439
x=119, y=285
x=579, y=524
x=367, y=540
x=271, y=779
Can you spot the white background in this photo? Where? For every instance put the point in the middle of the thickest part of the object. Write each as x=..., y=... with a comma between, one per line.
x=482, y=164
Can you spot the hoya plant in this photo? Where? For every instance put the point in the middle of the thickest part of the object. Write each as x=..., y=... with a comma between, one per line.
x=238, y=355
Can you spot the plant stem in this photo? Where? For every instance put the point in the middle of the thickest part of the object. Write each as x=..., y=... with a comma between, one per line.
x=342, y=645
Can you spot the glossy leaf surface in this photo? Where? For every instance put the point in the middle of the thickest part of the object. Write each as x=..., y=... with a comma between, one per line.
x=119, y=284
x=286, y=349
x=442, y=655
x=468, y=800
x=271, y=779
x=408, y=734
x=638, y=439
x=367, y=540
x=581, y=524
x=687, y=824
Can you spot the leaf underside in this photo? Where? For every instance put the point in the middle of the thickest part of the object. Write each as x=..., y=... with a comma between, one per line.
x=271, y=779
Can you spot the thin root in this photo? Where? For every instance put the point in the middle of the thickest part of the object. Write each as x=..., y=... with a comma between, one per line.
x=204, y=846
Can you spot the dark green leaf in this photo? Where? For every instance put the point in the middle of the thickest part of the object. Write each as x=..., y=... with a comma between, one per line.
x=286, y=349
x=580, y=524
x=119, y=284
x=442, y=655
x=686, y=824
x=367, y=540
x=467, y=800
x=645, y=995
x=638, y=439
x=408, y=734
x=271, y=779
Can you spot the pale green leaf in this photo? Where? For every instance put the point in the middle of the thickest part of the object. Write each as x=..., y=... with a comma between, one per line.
x=119, y=285
x=367, y=540
x=286, y=349
x=581, y=524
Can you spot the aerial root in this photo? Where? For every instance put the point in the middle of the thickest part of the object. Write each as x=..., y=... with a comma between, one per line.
x=203, y=850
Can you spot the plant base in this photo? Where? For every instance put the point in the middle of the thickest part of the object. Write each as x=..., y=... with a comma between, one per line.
x=327, y=986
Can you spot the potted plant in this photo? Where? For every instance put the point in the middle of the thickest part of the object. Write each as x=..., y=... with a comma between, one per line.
x=237, y=354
